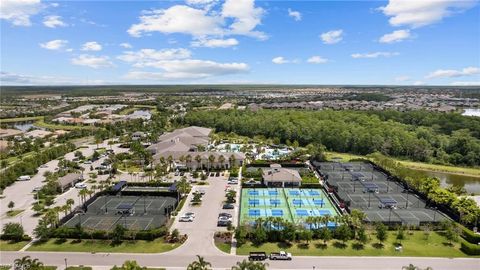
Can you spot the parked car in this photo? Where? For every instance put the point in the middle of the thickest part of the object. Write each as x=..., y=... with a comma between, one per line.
x=37, y=189
x=223, y=222
x=257, y=256
x=44, y=166
x=186, y=218
x=177, y=173
x=24, y=178
x=232, y=182
x=80, y=185
x=228, y=206
x=225, y=216
x=88, y=162
x=189, y=214
x=182, y=173
x=282, y=255
x=217, y=174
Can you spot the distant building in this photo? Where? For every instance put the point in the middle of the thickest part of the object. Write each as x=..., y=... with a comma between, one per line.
x=69, y=180
x=276, y=176
x=138, y=135
x=185, y=149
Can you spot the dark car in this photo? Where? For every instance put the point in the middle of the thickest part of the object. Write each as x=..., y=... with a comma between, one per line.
x=257, y=256
x=228, y=206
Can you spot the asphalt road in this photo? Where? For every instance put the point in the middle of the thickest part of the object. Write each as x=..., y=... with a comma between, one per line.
x=171, y=260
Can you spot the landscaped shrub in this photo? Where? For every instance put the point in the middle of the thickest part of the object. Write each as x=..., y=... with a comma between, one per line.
x=470, y=236
x=470, y=249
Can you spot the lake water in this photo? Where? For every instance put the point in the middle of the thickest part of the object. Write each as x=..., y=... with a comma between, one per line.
x=470, y=183
x=471, y=112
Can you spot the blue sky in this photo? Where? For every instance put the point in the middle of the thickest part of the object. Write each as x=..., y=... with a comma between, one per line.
x=428, y=42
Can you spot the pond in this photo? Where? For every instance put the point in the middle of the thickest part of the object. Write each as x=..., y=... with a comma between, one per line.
x=470, y=183
x=471, y=112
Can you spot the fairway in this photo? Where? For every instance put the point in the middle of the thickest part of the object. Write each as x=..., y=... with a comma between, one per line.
x=292, y=204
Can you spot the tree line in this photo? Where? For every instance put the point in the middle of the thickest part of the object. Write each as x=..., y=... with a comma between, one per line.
x=454, y=142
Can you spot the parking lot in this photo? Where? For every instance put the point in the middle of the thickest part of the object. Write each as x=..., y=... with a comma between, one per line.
x=204, y=225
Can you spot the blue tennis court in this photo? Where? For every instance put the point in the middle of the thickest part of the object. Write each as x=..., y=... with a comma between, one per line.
x=318, y=202
x=273, y=193
x=294, y=192
x=275, y=202
x=302, y=212
x=313, y=193
x=277, y=212
x=253, y=192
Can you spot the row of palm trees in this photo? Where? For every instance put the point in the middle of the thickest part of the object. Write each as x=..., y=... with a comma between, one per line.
x=188, y=159
x=354, y=220
x=202, y=264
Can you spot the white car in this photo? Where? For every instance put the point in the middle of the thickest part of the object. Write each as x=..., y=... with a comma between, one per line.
x=44, y=166
x=189, y=214
x=80, y=185
x=186, y=218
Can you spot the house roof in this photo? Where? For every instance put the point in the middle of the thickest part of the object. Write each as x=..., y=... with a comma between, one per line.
x=281, y=175
x=204, y=155
x=69, y=179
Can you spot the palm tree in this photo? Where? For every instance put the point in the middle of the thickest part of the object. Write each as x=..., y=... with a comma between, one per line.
x=248, y=265
x=27, y=263
x=199, y=264
x=198, y=158
x=70, y=203
x=65, y=209
x=231, y=160
x=221, y=159
x=188, y=159
x=82, y=194
x=211, y=160
x=413, y=267
x=170, y=161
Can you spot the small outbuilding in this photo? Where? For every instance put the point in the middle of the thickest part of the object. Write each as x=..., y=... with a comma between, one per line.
x=69, y=180
x=277, y=176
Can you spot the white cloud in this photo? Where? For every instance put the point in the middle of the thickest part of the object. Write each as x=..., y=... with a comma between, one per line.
x=200, y=2
x=214, y=43
x=296, y=15
x=450, y=73
x=246, y=17
x=395, y=36
x=56, y=44
x=332, y=37
x=150, y=57
x=126, y=45
x=91, y=46
x=92, y=61
x=423, y=12
x=235, y=18
x=8, y=78
x=53, y=21
x=280, y=60
x=189, y=69
x=402, y=78
x=374, y=54
x=18, y=12
x=317, y=60
x=178, y=19
x=466, y=83
x=419, y=83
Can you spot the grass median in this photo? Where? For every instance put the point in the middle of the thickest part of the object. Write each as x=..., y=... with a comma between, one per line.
x=11, y=245
x=73, y=245
x=416, y=245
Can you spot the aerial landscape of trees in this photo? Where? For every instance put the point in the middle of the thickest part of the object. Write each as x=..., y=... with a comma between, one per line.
x=420, y=136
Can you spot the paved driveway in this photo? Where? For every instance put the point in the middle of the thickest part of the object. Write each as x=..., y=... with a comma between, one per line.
x=201, y=231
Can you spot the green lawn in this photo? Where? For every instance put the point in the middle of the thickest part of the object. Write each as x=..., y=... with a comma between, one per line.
x=20, y=119
x=71, y=245
x=12, y=246
x=42, y=123
x=127, y=111
x=415, y=246
x=225, y=247
x=79, y=268
x=13, y=213
x=414, y=165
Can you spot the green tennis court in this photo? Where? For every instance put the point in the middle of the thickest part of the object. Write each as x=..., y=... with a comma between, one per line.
x=292, y=204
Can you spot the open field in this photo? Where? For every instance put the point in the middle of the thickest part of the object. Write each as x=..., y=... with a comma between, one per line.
x=72, y=245
x=41, y=123
x=414, y=165
x=225, y=247
x=415, y=246
x=11, y=246
x=20, y=119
